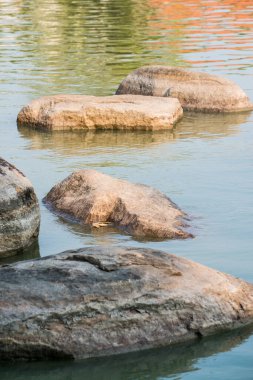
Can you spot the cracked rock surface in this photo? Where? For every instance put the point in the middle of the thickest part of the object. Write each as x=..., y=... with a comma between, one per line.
x=196, y=91
x=19, y=210
x=94, y=198
x=105, y=300
x=126, y=112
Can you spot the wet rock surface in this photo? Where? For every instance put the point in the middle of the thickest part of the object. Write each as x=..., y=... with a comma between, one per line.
x=93, y=198
x=19, y=211
x=196, y=91
x=98, y=301
x=127, y=112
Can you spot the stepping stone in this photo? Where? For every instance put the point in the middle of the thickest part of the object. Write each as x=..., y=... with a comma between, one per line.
x=107, y=300
x=96, y=199
x=196, y=91
x=126, y=112
x=19, y=211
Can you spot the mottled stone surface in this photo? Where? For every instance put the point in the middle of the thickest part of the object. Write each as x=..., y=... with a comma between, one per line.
x=19, y=210
x=127, y=112
x=99, y=301
x=195, y=91
x=142, y=211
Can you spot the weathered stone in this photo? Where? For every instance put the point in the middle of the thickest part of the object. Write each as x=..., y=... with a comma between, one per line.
x=195, y=91
x=99, y=301
x=127, y=112
x=19, y=210
x=92, y=197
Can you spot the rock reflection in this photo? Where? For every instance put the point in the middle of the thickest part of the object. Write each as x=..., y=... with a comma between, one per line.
x=29, y=253
x=87, y=143
x=151, y=364
x=209, y=126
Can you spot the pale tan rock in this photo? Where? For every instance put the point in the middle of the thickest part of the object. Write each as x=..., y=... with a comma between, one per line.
x=196, y=91
x=93, y=198
x=127, y=112
x=106, y=300
x=19, y=211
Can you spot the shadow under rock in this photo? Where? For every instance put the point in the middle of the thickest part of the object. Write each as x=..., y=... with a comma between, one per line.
x=28, y=253
x=150, y=364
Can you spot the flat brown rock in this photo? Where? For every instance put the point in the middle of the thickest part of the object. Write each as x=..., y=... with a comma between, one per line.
x=127, y=112
x=100, y=301
x=196, y=91
x=19, y=211
x=93, y=198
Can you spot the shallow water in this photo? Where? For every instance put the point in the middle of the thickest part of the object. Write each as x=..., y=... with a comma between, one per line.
x=204, y=165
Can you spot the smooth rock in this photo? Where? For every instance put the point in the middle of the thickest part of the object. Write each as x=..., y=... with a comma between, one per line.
x=195, y=91
x=19, y=211
x=100, y=301
x=127, y=112
x=91, y=197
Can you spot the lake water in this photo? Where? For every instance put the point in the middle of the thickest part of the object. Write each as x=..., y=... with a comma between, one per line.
x=205, y=165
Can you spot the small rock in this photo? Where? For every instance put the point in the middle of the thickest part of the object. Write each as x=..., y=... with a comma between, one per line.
x=19, y=211
x=101, y=301
x=127, y=112
x=92, y=197
x=195, y=91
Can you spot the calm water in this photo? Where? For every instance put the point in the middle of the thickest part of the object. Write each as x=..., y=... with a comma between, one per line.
x=205, y=165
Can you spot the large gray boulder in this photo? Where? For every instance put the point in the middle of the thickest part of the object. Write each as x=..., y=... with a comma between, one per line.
x=100, y=301
x=95, y=199
x=80, y=112
x=195, y=91
x=19, y=211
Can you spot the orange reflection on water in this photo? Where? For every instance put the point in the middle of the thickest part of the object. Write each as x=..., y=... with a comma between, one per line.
x=203, y=25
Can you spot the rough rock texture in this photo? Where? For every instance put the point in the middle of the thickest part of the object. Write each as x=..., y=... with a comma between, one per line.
x=127, y=112
x=98, y=301
x=19, y=210
x=92, y=198
x=195, y=91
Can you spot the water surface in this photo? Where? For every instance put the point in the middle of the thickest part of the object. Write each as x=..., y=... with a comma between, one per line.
x=204, y=164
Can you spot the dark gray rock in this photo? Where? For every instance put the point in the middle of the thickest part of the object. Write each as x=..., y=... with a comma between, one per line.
x=100, y=301
x=19, y=211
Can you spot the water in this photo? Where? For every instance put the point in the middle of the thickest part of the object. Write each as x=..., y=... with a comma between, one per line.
x=205, y=165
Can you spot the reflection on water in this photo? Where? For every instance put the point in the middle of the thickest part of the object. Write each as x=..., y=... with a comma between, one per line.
x=204, y=27
x=88, y=45
x=155, y=364
x=28, y=253
x=204, y=164
x=193, y=125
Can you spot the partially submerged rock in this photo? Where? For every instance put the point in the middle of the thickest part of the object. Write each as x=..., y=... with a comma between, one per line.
x=195, y=91
x=19, y=210
x=100, y=301
x=127, y=112
x=92, y=198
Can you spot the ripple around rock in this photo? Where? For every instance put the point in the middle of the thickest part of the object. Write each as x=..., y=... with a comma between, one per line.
x=196, y=91
x=95, y=199
x=127, y=112
x=102, y=300
x=19, y=211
